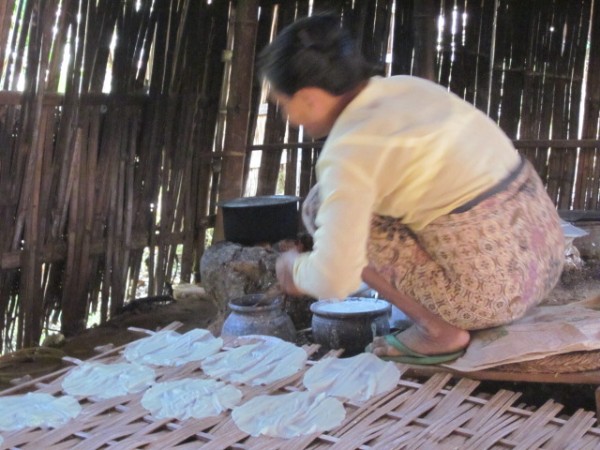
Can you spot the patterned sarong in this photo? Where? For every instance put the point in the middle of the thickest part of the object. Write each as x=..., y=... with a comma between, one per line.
x=481, y=266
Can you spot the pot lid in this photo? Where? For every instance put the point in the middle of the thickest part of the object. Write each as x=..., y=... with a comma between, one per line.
x=350, y=306
x=260, y=200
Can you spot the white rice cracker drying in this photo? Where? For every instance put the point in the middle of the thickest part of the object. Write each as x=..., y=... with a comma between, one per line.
x=264, y=361
x=190, y=398
x=289, y=415
x=94, y=379
x=169, y=348
x=357, y=378
x=36, y=410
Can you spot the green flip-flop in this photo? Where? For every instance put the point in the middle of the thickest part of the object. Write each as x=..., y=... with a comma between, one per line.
x=411, y=357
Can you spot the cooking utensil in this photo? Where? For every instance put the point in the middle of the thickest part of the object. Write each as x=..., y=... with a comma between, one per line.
x=268, y=319
x=260, y=219
x=350, y=324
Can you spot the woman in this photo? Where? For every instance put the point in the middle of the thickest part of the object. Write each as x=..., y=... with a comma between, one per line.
x=419, y=194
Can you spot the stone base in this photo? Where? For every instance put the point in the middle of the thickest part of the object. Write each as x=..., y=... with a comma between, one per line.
x=229, y=270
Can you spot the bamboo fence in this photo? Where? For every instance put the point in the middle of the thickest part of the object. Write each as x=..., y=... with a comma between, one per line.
x=101, y=190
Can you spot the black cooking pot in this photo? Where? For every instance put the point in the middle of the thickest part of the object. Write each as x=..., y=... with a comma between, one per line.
x=351, y=324
x=261, y=219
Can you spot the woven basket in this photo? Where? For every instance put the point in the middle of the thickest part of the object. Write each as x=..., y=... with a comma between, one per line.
x=565, y=363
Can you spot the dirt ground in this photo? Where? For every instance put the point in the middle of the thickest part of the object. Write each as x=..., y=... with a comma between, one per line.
x=200, y=313
x=190, y=312
x=576, y=285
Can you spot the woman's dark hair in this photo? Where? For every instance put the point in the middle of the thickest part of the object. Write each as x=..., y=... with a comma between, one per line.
x=314, y=51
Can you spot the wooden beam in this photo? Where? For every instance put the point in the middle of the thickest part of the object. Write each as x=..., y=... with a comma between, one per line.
x=57, y=251
x=238, y=106
x=424, y=35
x=55, y=99
x=523, y=143
x=563, y=143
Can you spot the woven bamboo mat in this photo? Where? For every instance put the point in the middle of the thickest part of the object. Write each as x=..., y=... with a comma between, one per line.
x=439, y=413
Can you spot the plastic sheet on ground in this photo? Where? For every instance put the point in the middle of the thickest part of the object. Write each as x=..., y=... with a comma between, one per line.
x=544, y=331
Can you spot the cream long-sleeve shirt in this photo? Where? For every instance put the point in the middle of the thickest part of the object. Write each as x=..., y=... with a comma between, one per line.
x=404, y=147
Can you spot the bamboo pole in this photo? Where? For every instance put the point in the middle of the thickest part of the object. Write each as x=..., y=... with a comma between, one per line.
x=9, y=278
x=120, y=218
x=131, y=24
x=145, y=46
x=30, y=293
x=550, y=110
x=91, y=132
x=217, y=163
x=308, y=149
x=193, y=89
x=170, y=217
x=381, y=31
x=307, y=175
x=205, y=131
x=271, y=161
x=236, y=135
x=530, y=91
x=360, y=15
x=291, y=164
x=569, y=96
x=149, y=175
x=6, y=12
x=586, y=191
x=402, y=59
x=73, y=304
x=483, y=45
x=271, y=19
x=424, y=35
x=59, y=49
x=103, y=20
x=510, y=29
x=16, y=50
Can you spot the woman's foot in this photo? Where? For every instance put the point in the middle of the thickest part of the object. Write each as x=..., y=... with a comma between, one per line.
x=429, y=335
x=439, y=341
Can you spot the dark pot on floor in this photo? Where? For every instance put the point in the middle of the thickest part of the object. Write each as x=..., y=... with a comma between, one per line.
x=351, y=324
x=246, y=317
x=261, y=219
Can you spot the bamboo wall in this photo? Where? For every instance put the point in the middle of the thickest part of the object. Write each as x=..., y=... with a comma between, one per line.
x=97, y=188
x=90, y=180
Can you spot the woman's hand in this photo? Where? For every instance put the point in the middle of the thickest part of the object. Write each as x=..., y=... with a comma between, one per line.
x=284, y=268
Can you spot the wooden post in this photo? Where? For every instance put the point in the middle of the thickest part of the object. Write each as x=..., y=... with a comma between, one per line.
x=587, y=183
x=6, y=9
x=271, y=159
x=33, y=142
x=424, y=34
x=403, y=38
x=238, y=106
